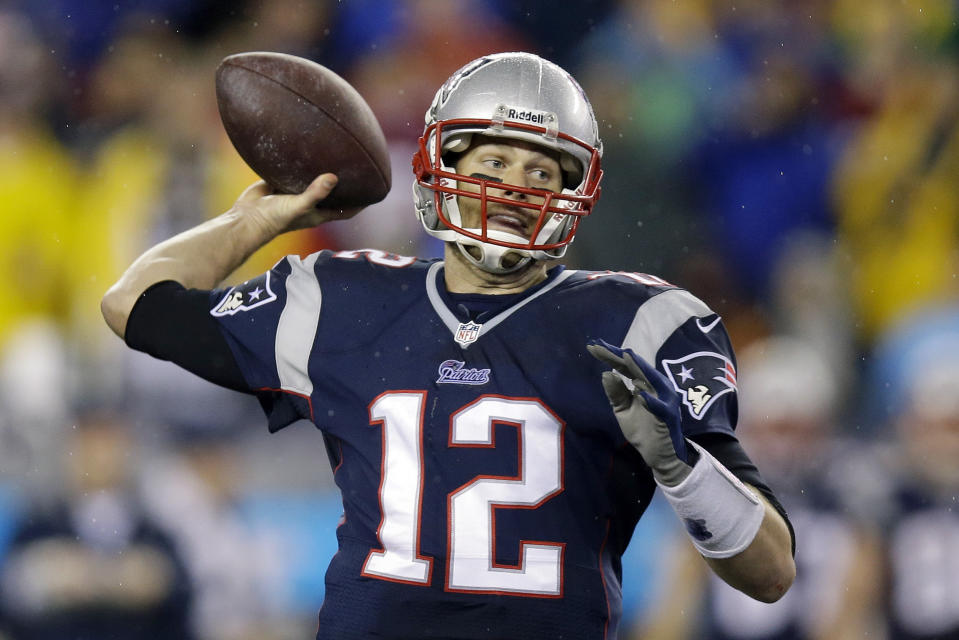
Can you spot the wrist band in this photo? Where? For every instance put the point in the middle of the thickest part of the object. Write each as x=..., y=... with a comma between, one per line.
x=721, y=514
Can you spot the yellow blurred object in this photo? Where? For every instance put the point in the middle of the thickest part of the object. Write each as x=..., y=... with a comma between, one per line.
x=114, y=217
x=925, y=20
x=120, y=214
x=897, y=201
x=37, y=192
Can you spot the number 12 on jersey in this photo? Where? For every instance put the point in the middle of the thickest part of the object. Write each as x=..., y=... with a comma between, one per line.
x=471, y=509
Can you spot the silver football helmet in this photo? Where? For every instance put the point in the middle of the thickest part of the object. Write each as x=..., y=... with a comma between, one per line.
x=514, y=96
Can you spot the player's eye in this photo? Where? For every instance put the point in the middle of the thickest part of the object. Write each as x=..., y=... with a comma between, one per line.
x=540, y=175
x=494, y=163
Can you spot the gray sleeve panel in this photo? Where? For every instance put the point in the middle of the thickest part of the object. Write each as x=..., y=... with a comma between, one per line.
x=297, y=327
x=657, y=319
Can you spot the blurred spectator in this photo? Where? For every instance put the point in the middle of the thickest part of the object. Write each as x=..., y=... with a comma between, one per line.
x=763, y=171
x=83, y=30
x=160, y=162
x=296, y=27
x=788, y=423
x=195, y=493
x=551, y=31
x=34, y=393
x=37, y=194
x=710, y=111
x=894, y=189
x=92, y=564
x=809, y=299
x=648, y=68
x=37, y=184
x=910, y=484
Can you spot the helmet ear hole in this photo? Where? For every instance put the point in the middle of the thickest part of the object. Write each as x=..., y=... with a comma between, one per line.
x=455, y=147
x=458, y=143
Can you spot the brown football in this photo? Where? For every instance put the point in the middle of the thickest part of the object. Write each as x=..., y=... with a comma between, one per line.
x=291, y=119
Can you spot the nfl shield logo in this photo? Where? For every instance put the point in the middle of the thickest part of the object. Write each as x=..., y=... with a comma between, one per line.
x=467, y=333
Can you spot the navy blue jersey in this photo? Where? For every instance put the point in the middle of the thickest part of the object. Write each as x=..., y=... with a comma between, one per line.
x=488, y=491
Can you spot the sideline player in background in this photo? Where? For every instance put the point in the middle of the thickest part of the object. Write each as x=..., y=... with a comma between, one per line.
x=489, y=489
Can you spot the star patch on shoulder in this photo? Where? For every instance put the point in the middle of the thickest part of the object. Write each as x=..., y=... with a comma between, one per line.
x=249, y=295
x=701, y=378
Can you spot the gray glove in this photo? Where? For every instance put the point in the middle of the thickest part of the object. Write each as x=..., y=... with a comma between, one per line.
x=650, y=416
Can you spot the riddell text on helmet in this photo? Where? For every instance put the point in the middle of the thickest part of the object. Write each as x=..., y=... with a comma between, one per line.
x=539, y=117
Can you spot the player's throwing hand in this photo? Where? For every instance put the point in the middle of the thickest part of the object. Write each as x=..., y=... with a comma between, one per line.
x=279, y=213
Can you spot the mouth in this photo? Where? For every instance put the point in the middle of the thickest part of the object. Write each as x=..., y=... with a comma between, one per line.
x=508, y=221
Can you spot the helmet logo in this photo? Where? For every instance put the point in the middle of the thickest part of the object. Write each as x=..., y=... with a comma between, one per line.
x=450, y=85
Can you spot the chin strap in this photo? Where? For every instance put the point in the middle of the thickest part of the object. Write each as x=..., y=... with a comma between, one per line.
x=492, y=256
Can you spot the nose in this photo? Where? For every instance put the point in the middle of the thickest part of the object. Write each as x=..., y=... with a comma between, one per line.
x=516, y=175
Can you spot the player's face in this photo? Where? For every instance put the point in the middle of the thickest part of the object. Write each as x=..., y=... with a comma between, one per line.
x=511, y=162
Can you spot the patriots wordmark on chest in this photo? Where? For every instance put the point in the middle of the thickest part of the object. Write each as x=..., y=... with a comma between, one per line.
x=467, y=333
x=456, y=372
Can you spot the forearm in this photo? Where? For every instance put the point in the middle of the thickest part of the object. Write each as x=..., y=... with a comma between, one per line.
x=203, y=256
x=198, y=258
x=726, y=519
x=765, y=569
x=743, y=538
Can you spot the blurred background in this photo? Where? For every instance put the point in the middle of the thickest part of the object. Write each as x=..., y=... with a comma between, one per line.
x=795, y=164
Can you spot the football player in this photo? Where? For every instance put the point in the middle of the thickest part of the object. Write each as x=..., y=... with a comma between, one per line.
x=910, y=477
x=497, y=424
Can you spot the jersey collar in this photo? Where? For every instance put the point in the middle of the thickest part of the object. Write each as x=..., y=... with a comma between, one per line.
x=465, y=333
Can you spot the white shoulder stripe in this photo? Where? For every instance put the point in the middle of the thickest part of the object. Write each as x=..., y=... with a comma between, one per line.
x=296, y=329
x=657, y=319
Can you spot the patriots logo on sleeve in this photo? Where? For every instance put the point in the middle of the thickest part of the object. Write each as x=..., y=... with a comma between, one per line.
x=701, y=378
x=252, y=293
